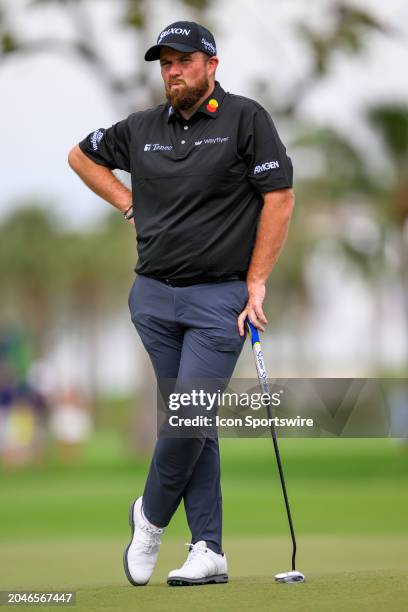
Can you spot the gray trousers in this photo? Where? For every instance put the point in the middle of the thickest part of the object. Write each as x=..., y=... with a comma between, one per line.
x=189, y=333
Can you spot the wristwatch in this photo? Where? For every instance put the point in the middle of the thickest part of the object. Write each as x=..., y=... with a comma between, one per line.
x=128, y=214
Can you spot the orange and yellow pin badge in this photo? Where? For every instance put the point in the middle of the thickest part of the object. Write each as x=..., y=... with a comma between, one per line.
x=212, y=105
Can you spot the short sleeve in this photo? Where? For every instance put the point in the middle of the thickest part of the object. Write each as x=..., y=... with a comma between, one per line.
x=269, y=167
x=109, y=147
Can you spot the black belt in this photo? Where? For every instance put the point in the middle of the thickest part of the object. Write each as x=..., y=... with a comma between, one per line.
x=197, y=280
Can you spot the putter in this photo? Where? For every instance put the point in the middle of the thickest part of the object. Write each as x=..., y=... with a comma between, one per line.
x=292, y=576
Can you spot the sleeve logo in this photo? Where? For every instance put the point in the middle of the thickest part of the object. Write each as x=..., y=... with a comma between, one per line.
x=96, y=139
x=270, y=165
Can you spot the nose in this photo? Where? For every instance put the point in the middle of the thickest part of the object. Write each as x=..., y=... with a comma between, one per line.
x=174, y=69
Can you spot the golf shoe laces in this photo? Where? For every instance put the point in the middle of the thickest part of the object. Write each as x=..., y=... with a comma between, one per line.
x=194, y=552
x=152, y=538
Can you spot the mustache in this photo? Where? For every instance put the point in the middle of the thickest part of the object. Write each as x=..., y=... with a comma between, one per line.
x=178, y=82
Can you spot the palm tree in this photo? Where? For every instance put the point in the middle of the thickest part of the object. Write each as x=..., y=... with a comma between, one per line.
x=391, y=123
x=29, y=270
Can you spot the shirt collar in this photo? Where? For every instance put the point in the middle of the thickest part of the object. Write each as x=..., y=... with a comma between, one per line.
x=210, y=107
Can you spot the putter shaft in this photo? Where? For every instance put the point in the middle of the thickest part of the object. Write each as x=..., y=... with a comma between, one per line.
x=263, y=380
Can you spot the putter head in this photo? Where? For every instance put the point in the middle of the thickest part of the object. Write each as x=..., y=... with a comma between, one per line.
x=290, y=577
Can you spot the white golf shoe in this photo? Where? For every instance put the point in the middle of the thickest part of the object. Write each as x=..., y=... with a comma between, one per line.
x=141, y=554
x=203, y=566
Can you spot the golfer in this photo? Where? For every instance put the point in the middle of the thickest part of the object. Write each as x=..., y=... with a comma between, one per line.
x=211, y=201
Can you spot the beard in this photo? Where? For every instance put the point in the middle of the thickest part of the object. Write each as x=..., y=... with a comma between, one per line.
x=186, y=97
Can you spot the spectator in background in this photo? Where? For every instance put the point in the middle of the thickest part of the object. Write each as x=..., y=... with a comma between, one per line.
x=70, y=424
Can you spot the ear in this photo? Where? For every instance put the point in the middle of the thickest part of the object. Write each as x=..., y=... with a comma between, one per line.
x=213, y=64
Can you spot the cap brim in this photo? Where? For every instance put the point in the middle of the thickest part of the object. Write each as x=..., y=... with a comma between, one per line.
x=153, y=53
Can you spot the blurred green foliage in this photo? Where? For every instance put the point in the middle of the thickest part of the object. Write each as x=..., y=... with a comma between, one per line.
x=349, y=32
x=44, y=269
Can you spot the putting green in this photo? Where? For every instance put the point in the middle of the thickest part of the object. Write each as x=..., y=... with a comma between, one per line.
x=343, y=573
x=360, y=592
x=66, y=528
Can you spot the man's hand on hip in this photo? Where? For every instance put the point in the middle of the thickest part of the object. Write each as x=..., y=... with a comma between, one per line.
x=253, y=310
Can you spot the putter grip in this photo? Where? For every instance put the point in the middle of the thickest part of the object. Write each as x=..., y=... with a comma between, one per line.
x=253, y=332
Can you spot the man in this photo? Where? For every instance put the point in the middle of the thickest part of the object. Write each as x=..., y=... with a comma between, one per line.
x=211, y=201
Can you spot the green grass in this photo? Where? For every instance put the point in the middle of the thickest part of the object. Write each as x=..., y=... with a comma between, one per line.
x=342, y=574
x=335, y=486
x=337, y=592
x=66, y=528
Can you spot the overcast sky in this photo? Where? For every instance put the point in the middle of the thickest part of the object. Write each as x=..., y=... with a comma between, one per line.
x=49, y=103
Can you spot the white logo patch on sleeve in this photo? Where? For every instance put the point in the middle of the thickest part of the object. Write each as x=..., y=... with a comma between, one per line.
x=270, y=165
x=96, y=139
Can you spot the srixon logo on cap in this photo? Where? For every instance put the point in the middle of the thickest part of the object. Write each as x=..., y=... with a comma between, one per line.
x=182, y=31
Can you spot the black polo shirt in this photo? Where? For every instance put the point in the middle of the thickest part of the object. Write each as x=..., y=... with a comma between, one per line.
x=197, y=184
